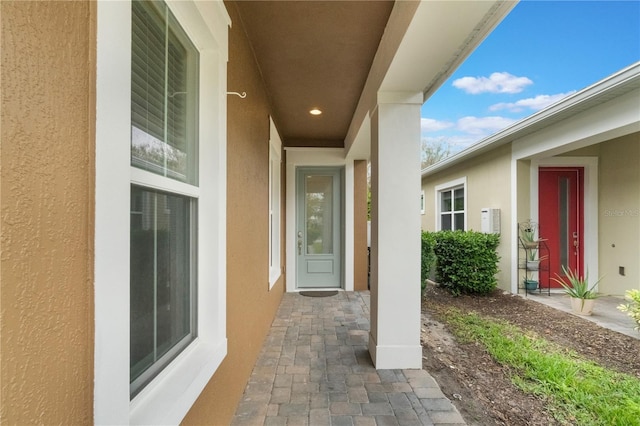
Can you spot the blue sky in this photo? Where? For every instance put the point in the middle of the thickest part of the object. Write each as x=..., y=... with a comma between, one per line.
x=541, y=52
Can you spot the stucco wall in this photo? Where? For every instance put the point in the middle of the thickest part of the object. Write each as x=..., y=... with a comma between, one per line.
x=251, y=305
x=523, y=202
x=488, y=185
x=619, y=214
x=47, y=212
x=523, y=205
x=360, y=253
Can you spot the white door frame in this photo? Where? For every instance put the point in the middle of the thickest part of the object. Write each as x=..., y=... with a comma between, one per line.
x=328, y=265
x=589, y=201
x=318, y=157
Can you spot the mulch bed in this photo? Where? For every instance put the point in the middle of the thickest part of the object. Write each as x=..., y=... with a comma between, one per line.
x=479, y=386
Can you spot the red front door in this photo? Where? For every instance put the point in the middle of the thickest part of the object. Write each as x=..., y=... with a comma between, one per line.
x=560, y=213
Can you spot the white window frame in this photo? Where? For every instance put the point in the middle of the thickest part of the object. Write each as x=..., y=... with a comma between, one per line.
x=170, y=395
x=448, y=186
x=275, y=203
x=423, y=203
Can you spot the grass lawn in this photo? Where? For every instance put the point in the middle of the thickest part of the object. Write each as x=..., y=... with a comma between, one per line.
x=577, y=392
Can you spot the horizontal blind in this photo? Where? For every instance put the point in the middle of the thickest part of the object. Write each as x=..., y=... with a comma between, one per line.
x=163, y=94
x=148, y=71
x=177, y=94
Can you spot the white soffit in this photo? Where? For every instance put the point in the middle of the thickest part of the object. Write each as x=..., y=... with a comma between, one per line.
x=440, y=37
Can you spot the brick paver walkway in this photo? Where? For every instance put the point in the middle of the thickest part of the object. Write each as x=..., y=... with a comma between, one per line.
x=315, y=369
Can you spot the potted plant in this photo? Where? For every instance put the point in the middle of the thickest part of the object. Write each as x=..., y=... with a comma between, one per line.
x=533, y=261
x=577, y=287
x=530, y=284
x=528, y=235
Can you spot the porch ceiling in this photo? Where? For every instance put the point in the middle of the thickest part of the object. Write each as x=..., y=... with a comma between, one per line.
x=314, y=54
x=336, y=55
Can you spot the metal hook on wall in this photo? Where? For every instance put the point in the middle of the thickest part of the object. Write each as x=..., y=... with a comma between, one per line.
x=241, y=95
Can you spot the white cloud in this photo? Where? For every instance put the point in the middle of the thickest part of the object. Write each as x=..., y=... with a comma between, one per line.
x=469, y=130
x=536, y=104
x=431, y=125
x=498, y=82
x=483, y=126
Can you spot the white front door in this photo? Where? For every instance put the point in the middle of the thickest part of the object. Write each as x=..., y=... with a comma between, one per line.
x=319, y=210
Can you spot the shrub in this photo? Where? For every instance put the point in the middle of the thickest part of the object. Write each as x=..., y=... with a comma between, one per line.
x=428, y=257
x=632, y=309
x=467, y=262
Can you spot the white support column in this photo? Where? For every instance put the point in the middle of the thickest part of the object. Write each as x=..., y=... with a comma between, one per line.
x=394, y=341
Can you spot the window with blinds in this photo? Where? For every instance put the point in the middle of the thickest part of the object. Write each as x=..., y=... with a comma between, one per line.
x=164, y=99
x=163, y=223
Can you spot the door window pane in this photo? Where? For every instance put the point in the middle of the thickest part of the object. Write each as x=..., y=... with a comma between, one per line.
x=162, y=280
x=319, y=214
x=563, y=218
x=164, y=74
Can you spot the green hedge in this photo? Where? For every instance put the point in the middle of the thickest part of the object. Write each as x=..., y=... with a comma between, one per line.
x=428, y=257
x=467, y=262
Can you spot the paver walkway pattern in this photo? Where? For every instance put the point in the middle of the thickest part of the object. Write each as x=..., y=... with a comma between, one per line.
x=315, y=369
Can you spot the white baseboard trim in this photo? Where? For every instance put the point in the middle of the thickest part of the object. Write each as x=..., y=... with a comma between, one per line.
x=392, y=357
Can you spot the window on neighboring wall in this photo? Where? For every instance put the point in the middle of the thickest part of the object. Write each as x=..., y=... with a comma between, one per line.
x=451, y=205
x=274, y=208
x=422, y=203
x=164, y=109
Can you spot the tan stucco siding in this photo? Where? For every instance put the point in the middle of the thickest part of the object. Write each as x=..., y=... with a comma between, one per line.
x=523, y=201
x=619, y=214
x=47, y=212
x=360, y=253
x=251, y=305
x=488, y=185
x=523, y=190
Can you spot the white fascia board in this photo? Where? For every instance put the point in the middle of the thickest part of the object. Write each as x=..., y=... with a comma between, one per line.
x=600, y=123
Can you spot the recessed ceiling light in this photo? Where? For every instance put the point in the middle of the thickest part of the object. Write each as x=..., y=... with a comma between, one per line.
x=315, y=111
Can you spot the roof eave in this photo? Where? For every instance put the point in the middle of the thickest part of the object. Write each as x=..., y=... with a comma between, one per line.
x=629, y=76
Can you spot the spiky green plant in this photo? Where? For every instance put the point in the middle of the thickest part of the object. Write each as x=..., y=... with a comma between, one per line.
x=577, y=286
x=528, y=232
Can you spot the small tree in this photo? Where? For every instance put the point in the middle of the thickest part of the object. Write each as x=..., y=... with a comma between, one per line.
x=433, y=151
